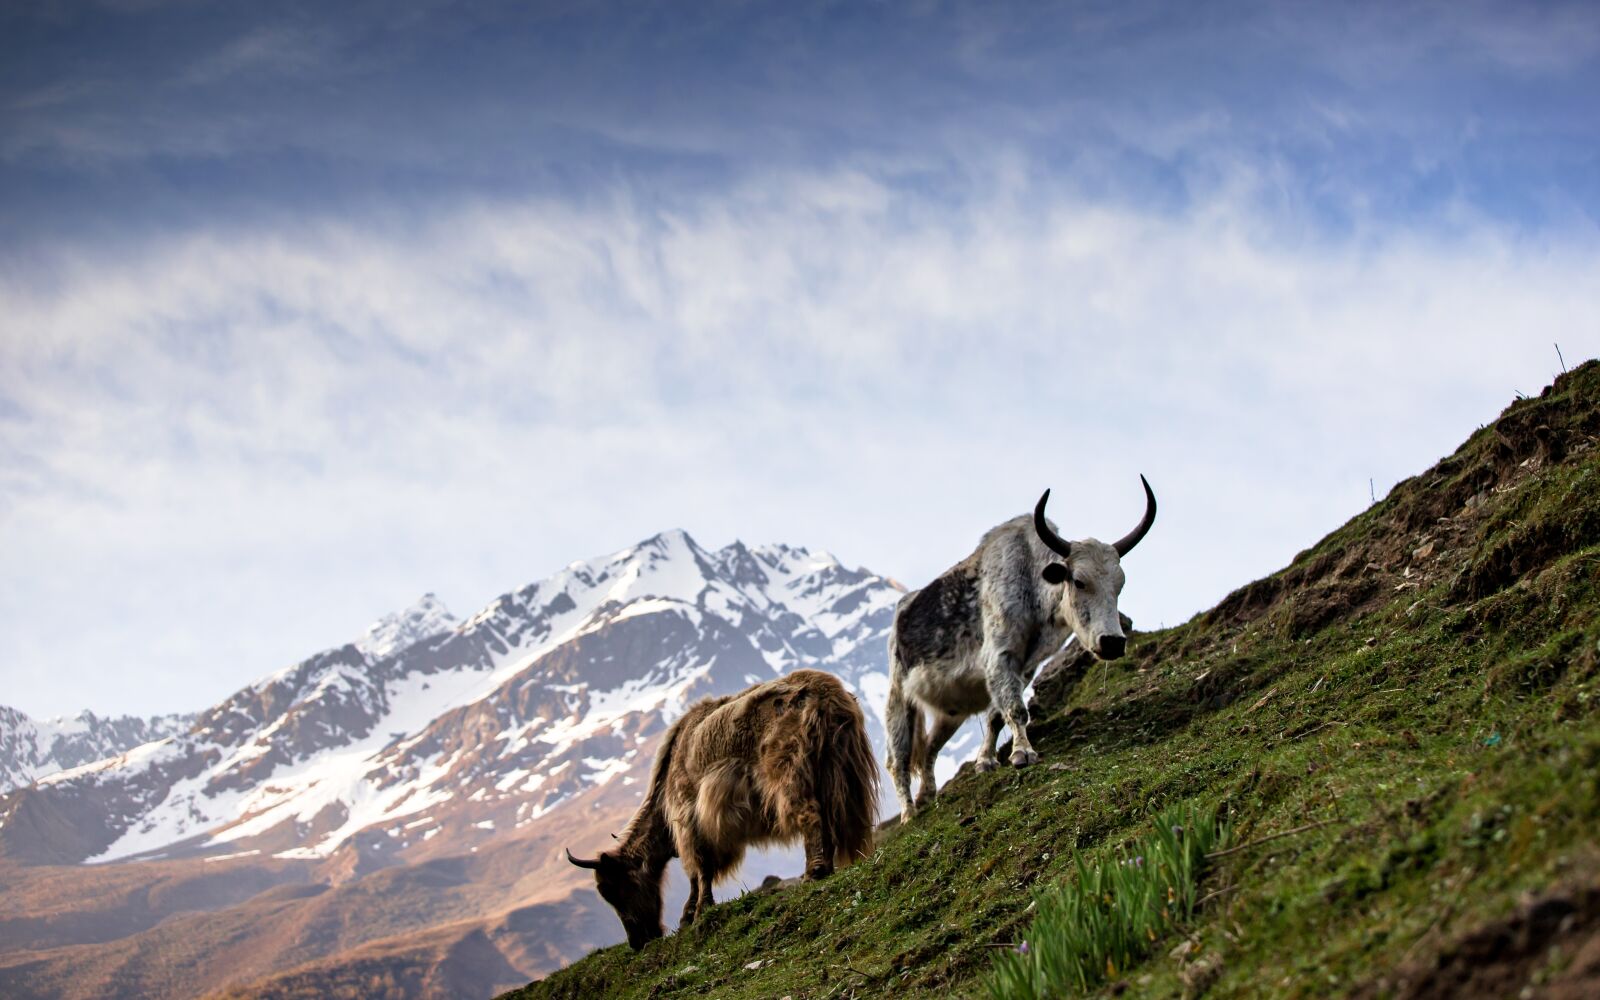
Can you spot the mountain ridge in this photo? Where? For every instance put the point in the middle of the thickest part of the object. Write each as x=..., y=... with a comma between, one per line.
x=31, y=749
x=415, y=770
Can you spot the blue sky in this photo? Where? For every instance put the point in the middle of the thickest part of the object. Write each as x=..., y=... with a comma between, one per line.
x=307, y=310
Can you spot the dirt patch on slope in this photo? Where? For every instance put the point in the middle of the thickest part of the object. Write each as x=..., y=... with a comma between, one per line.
x=1549, y=949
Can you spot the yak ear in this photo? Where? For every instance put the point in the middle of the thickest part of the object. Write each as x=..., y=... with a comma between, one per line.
x=1054, y=573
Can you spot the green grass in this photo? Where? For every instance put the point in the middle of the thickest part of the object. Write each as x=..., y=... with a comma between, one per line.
x=1112, y=913
x=1436, y=711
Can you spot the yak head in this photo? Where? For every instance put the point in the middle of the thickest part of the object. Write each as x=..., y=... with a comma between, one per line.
x=1090, y=578
x=632, y=892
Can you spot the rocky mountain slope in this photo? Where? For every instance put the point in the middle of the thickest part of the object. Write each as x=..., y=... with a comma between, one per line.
x=31, y=748
x=1400, y=728
x=402, y=800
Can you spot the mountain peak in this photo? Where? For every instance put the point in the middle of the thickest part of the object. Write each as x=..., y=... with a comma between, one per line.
x=425, y=618
x=669, y=537
x=795, y=559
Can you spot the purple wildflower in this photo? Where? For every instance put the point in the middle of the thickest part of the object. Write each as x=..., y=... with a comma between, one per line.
x=1022, y=948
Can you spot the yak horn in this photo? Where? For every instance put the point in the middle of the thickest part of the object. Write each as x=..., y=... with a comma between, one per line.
x=1060, y=546
x=1128, y=541
x=582, y=862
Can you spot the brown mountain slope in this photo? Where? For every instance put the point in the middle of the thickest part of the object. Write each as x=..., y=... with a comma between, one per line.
x=185, y=928
x=460, y=960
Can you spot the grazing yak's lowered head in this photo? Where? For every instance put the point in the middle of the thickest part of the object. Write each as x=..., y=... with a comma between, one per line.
x=1090, y=575
x=631, y=891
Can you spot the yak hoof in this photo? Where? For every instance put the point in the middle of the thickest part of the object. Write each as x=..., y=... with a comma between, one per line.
x=984, y=766
x=1022, y=758
x=817, y=872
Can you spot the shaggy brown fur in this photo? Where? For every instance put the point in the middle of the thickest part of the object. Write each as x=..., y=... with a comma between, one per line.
x=782, y=761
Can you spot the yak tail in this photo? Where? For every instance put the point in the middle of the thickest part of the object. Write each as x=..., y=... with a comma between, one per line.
x=847, y=778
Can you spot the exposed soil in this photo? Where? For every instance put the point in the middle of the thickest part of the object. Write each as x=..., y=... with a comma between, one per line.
x=1548, y=950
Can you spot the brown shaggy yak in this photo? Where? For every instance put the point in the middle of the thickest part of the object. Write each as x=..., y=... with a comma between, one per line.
x=782, y=761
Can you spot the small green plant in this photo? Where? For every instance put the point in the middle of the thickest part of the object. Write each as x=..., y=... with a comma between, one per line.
x=1096, y=927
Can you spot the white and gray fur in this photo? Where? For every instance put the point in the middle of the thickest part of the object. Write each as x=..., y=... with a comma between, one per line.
x=970, y=641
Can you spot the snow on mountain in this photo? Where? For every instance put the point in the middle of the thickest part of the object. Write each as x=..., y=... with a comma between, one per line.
x=31, y=749
x=429, y=726
x=390, y=634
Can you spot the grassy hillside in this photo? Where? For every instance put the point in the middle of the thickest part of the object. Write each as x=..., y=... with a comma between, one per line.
x=1422, y=683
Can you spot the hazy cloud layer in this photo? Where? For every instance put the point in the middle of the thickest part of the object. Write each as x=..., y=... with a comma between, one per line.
x=327, y=420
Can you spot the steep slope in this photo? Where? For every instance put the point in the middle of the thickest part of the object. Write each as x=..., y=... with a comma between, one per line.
x=1400, y=727
x=402, y=800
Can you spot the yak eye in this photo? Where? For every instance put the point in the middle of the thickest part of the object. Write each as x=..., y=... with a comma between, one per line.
x=1077, y=581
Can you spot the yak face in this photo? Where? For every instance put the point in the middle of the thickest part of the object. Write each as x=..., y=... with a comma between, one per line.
x=631, y=892
x=1090, y=583
x=1090, y=577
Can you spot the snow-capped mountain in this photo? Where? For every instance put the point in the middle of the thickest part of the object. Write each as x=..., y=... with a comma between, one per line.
x=427, y=726
x=429, y=771
x=390, y=634
x=32, y=748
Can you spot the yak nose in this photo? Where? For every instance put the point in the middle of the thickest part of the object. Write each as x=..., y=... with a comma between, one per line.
x=1112, y=646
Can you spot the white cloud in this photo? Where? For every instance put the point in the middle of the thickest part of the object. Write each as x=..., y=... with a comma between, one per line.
x=264, y=51
x=234, y=448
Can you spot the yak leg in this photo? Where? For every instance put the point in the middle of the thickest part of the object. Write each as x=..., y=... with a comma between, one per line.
x=819, y=850
x=903, y=719
x=705, y=900
x=830, y=846
x=820, y=847
x=944, y=727
x=701, y=867
x=1005, y=692
x=699, y=898
x=717, y=862
x=692, y=904
x=987, y=761
x=805, y=811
